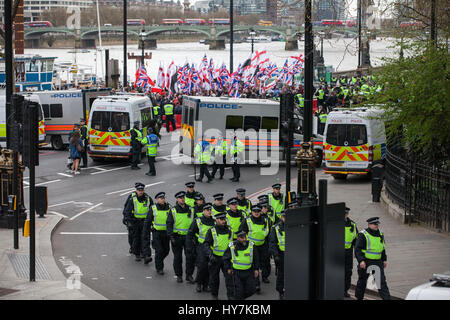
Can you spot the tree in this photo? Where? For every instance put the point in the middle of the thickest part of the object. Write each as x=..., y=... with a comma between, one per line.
x=416, y=99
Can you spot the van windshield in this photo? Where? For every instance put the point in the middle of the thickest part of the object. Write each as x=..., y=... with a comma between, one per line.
x=110, y=121
x=346, y=134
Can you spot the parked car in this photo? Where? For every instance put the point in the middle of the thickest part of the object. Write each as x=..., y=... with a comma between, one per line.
x=437, y=289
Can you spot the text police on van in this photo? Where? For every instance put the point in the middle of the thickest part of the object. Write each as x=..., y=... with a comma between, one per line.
x=67, y=95
x=219, y=106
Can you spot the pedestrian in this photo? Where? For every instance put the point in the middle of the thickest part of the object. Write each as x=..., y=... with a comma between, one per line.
x=202, y=154
x=235, y=216
x=151, y=143
x=85, y=139
x=135, y=212
x=218, y=205
x=217, y=240
x=241, y=262
x=257, y=228
x=244, y=204
x=195, y=239
x=237, y=150
x=170, y=119
x=277, y=200
x=351, y=232
x=220, y=157
x=136, y=147
x=277, y=244
x=178, y=222
x=156, y=224
x=190, y=194
x=370, y=252
x=75, y=150
x=199, y=203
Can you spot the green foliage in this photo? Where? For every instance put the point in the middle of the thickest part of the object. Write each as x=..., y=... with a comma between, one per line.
x=416, y=100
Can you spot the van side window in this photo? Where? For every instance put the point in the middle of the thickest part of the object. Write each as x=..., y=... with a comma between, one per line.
x=120, y=121
x=191, y=116
x=56, y=110
x=46, y=109
x=252, y=123
x=346, y=134
x=269, y=123
x=185, y=116
x=146, y=116
x=234, y=122
x=100, y=120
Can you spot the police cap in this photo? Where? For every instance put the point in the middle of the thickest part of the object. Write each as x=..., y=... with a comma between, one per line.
x=139, y=186
x=180, y=194
x=232, y=201
x=82, y=120
x=161, y=194
x=263, y=198
x=218, y=196
x=347, y=210
x=136, y=122
x=241, y=233
x=207, y=206
x=240, y=191
x=190, y=184
x=264, y=204
x=374, y=220
x=220, y=215
x=256, y=208
x=199, y=196
x=276, y=186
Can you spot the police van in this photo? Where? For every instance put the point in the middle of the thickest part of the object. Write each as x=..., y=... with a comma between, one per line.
x=355, y=140
x=257, y=120
x=110, y=121
x=41, y=123
x=62, y=109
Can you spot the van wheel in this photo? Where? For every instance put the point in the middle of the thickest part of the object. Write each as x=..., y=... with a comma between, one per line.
x=57, y=143
x=98, y=160
x=339, y=176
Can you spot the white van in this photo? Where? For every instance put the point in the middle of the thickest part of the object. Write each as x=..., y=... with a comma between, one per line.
x=110, y=121
x=354, y=141
x=41, y=125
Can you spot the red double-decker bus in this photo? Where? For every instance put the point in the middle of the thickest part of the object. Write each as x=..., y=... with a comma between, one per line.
x=194, y=21
x=38, y=24
x=172, y=22
x=332, y=23
x=222, y=21
x=135, y=22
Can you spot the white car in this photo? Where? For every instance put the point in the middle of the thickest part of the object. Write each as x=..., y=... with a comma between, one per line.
x=437, y=289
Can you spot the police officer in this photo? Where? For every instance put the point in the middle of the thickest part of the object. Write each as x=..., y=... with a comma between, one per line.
x=236, y=150
x=190, y=194
x=244, y=204
x=199, y=203
x=202, y=153
x=370, y=252
x=136, y=138
x=234, y=216
x=267, y=210
x=241, y=262
x=178, y=222
x=322, y=120
x=277, y=246
x=220, y=155
x=195, y=239
x=84, y=135
x=257, y=228
x=277, y=200
x=135, y=212
x=351, y=232
x=156, y=222
x=216, y=242
x=151, y=142
x=218, y=205
x=168, y=111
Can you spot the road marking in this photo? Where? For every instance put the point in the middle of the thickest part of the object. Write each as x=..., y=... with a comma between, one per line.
x=84, y=211
x=94, y=233
x=27, y=183
x=130, y=189
x=147, y=185
x=42, y=183
x=109, y=170
x=58, y=214
x=65, y=175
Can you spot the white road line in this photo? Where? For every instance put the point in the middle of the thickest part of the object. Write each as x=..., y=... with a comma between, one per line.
x=58, y=214
x=42, y=183
x=130, y=189
x=27, y=183
x=60, y=204
x=65, y=175
x=84, y=211
x=147, y=185
x=125, y=167
x=94, y=233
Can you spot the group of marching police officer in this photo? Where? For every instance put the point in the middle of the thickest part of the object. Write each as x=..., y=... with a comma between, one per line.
x=237, y=238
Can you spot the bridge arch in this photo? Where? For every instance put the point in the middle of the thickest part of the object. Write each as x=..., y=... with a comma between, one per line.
x=108, y=30
x=42, y=31
x=177, y=29
x=280, y=32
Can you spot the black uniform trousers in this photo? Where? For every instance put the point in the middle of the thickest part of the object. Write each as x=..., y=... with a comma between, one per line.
x=202, y=276
x=280, y=272
x=220, y=167
x=236, y=170
x=214, y=267
x=170, y=120
x=177, y=249
x=138, y=244
x=135, y=155
x=130, y=237
x=362, y=280
x=244, y=284
x=151, y=165
x=84, y=153
x=161, y=244
x=264, y=261
x=348, y=268
x=204, y=171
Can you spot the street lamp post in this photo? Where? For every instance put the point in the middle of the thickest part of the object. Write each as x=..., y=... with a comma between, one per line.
x=125, y=43
x=142, y=37
x=231, y=36
x=252, y=37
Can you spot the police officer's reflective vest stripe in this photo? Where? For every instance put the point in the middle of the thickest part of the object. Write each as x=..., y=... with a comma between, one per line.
x=281, y=238
x=156, y=110
x=277, y=205
x=202, y=230
x=374, y=246
x=350, y=235
x=181, y=221
x=271, y=215
x=189, y=201
x=152, y=147
x=257, y=232
x=221, y=242
x=138, y=134
x=159, y=218
x=247, y=209
x=168, y=109
x=234, y=223
x=238, y=147
x=323, y=118
x=221, y=149
x=140, y=209
x=321, y=94
x=242, y=259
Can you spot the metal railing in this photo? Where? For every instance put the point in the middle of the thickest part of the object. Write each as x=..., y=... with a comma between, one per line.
x=421, y=189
